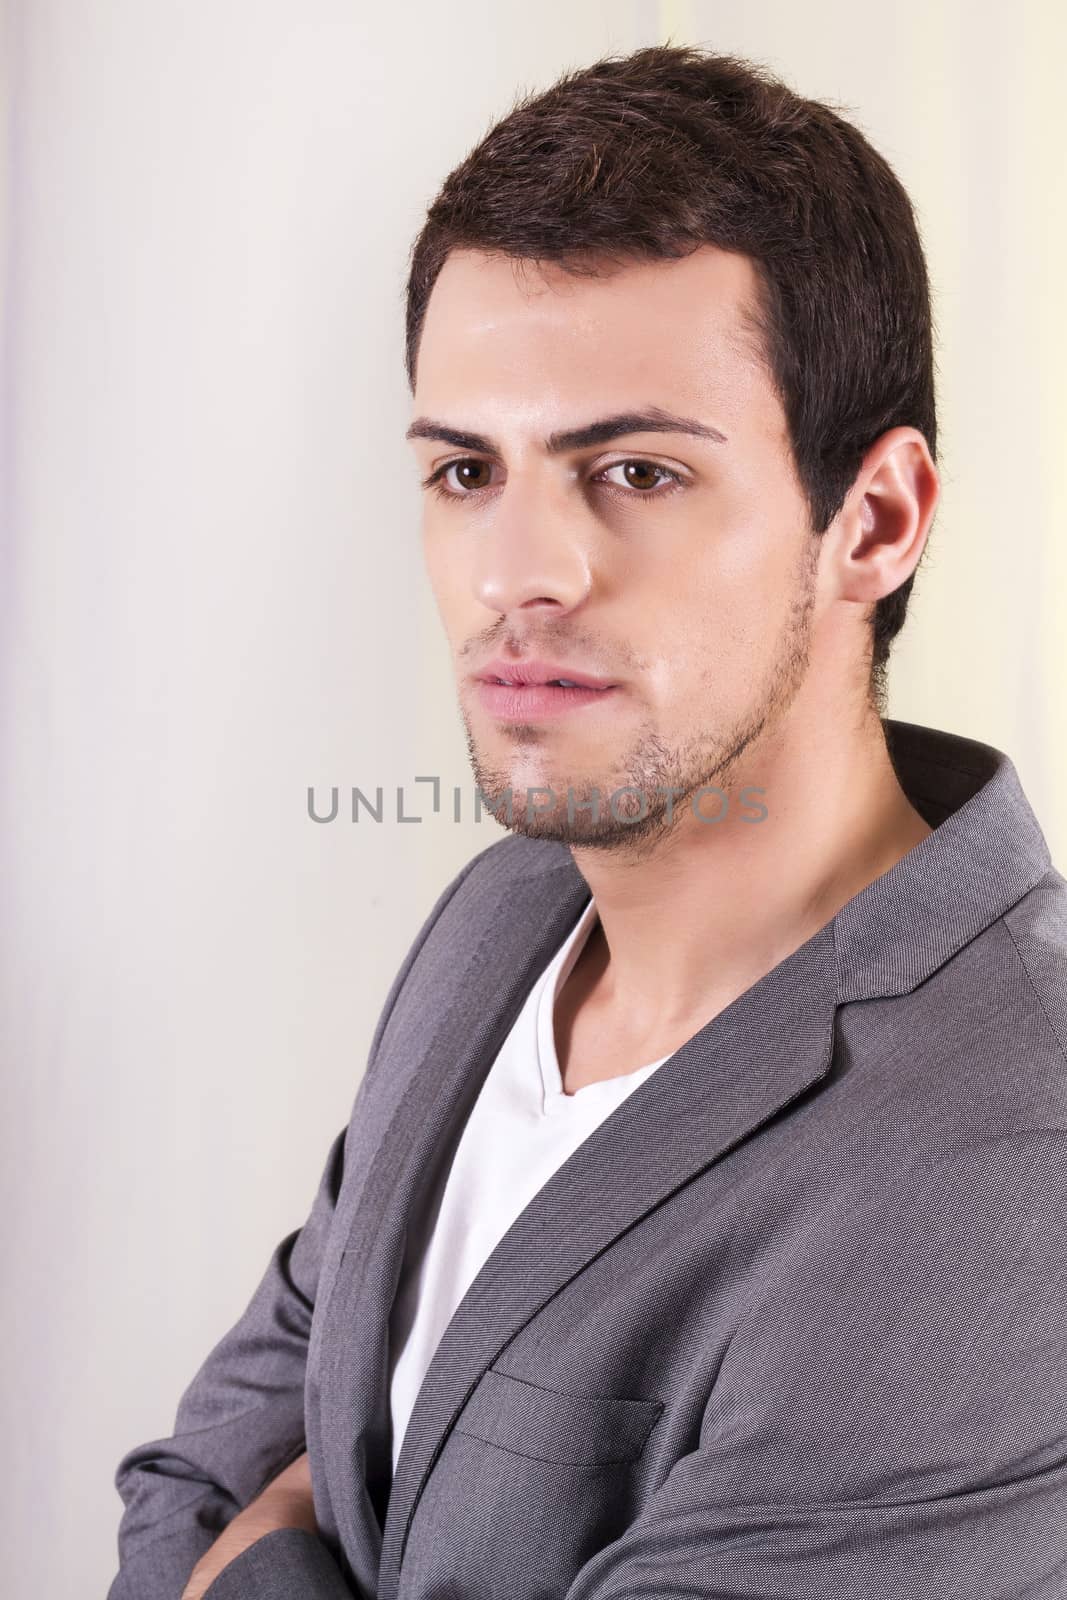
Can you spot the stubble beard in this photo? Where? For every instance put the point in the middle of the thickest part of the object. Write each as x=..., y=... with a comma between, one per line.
x=656, y=777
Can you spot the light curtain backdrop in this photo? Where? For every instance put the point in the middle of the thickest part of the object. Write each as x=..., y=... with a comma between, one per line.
x=212, y=597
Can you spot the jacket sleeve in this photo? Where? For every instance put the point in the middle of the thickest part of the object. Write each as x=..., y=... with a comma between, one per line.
x=890, y=1419
x=241, y=1420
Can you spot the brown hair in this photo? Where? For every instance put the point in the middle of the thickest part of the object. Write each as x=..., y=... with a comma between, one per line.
x=650, y=156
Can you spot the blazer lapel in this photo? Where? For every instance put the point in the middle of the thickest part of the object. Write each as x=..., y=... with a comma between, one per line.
x=435, y=1062
x=759, y=1054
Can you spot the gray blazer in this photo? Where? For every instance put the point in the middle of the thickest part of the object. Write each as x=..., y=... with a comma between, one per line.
x=790, y=1324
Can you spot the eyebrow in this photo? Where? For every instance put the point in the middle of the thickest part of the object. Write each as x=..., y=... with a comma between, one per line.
x=652, y=420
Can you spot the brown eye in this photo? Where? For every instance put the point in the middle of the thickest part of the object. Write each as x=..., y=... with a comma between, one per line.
x=643, y=480
x=467, y=474
x=641, y=474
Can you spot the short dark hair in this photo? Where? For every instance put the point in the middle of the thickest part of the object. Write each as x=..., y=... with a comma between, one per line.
x=651, y=155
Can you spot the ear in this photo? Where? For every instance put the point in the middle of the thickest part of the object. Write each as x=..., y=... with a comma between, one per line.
x=881, y=530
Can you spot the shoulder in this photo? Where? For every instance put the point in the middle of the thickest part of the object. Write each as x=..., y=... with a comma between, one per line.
x=975, y=1051
x=1037, y=926
x=512, y=879
x=511, y=872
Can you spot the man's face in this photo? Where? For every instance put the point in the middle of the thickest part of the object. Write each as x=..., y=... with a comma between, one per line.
x=694, y=595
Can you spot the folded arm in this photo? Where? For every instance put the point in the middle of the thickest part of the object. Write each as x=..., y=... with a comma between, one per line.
x=240, y=1423
x=286, y=1503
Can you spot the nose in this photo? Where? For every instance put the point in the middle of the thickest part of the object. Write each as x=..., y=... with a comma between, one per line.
x=531, y=553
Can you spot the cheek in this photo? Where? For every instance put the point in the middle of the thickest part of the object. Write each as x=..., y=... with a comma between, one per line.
x=719, y=578
x=742, y=564
x=709, y=612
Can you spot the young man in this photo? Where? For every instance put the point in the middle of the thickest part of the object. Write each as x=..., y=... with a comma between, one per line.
x=698, y=1229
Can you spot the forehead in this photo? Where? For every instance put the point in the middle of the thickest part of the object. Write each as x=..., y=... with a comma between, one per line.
x=528, y=337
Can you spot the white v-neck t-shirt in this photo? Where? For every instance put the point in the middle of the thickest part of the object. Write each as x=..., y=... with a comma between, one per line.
x=521, y=1128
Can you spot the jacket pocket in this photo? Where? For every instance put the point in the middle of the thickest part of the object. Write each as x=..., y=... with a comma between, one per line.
x=549, y=1425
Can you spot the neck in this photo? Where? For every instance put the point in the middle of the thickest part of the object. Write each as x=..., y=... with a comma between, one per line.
x=691, y=924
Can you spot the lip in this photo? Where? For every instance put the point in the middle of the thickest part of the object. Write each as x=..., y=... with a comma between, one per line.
x=515, y=702
x=532, y=673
